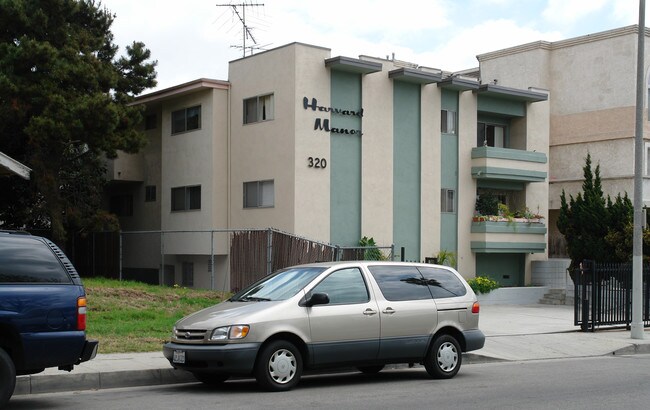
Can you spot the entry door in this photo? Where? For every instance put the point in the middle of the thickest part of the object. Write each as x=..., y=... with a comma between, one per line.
x=347, y=329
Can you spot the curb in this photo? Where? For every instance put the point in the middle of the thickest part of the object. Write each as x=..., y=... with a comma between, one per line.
x=35, y=384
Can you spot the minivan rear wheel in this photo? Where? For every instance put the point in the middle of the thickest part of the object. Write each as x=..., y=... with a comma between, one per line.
x=444, y=358
x=279, y=366
x=7, y=377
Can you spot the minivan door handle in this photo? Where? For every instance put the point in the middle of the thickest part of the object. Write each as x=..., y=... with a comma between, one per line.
x=388, y=311
x=369, y=312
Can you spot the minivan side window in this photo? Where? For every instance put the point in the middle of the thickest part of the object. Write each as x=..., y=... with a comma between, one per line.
x=442, y=283
x=345, y=286
x=400, y=282
x=26, y=260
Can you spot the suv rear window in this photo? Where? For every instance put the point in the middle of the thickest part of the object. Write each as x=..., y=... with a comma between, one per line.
x=400, y=282
x=24, y=259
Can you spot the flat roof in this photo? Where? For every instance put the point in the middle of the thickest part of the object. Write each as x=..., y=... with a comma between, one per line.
x=182, y=89
x=411, y=75
x=352, y=65
x=499, y=91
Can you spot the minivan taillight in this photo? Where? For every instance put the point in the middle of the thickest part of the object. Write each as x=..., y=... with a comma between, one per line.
x=81, y=313
x=476, y=307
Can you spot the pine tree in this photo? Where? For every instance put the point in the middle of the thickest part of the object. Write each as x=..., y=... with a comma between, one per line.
x=64, y=106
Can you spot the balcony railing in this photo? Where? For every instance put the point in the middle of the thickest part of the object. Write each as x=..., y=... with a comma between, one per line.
x=506, y=164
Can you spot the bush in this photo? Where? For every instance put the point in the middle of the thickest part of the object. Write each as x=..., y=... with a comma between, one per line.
x=482, y=284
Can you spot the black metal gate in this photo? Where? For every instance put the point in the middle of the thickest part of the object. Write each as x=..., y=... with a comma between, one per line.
x=603, y=295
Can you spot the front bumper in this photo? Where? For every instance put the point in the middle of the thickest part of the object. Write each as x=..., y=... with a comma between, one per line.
x=236, y=358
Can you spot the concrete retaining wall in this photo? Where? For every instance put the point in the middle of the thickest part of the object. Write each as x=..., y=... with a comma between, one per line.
x=513, y=296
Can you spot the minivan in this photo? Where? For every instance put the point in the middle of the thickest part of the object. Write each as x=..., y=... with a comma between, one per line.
x=361, y=314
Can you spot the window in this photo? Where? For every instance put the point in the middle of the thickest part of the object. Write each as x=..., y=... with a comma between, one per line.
x=443, y=283
x=259, y=194
x=448, y=122
x=188, y=274
x=447, y=200
x=121, y=205
x=490, y=135
x=258, y=109
x=186, y=119
x=400, y=282
x=186, y=197
x=647, y=159
x=24, y=259
x=150, y=193
x=345, y=286
x=150, y=121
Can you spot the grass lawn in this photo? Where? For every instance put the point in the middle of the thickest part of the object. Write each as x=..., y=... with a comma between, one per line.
x=136, y=317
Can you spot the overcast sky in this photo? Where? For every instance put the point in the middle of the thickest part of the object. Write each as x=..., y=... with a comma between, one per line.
x=197, y=38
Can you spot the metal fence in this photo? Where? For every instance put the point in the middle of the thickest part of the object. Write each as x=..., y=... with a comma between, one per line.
x=603, y=295
x=215, y=259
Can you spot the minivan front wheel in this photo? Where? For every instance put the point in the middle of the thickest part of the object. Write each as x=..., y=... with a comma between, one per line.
x=444, y=358
x=7, y=377
x=279, y=366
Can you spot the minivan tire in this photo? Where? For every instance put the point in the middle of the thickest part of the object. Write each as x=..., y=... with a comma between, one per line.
x=7, y=378
x=278, y=366
x=444, y=358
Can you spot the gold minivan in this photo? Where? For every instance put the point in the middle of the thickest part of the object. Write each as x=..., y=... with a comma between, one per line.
x=363, y=314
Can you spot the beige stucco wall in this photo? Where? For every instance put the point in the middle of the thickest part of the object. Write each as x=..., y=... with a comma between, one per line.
x=431, y=143
x=377, y=155
x=311, y=203
x=467, y=106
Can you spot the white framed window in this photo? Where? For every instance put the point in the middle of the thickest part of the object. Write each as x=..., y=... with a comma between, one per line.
x=448, y=121
x=258, y=109
x=187, y=119
x=259, y=194
x=186, y=198
x=447, y=200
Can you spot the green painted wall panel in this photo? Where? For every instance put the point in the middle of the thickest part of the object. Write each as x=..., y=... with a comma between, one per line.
x=406, y=168
x=501, y=106
x=345, y=161
x=507, y=269
x=449, y=176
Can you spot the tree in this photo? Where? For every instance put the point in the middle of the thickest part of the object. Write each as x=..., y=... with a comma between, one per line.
x=64, y=107
x=593, y=225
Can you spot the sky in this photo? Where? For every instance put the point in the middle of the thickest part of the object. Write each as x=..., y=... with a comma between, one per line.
x=194, y=39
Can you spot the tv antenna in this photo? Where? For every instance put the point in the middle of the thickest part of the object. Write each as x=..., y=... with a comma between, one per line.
x=242, y=17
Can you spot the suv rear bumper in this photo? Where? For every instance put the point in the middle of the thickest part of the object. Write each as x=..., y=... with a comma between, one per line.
x=89, y=351
x=228, y=359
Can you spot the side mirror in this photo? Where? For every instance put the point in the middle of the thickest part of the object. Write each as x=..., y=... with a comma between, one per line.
x=317, y=299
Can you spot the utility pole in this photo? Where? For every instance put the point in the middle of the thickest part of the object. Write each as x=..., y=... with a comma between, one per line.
x=637, y=253
x=242, y=17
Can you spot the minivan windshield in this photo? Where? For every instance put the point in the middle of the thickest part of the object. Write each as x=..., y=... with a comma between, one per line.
x=279, y=286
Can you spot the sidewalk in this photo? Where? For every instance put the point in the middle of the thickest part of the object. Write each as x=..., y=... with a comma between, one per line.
x=513, y=332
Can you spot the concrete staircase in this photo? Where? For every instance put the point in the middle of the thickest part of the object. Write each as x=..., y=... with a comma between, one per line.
x=554, y=297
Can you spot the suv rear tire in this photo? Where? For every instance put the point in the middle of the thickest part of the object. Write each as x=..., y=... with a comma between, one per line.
x=279, y=366
x=444, y=358
x=7, y=377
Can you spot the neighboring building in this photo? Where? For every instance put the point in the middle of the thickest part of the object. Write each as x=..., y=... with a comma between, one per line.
x=592, y=83
x=9, y=166
x=334, y=149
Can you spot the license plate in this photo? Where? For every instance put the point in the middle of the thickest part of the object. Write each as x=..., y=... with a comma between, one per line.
x=179, y=356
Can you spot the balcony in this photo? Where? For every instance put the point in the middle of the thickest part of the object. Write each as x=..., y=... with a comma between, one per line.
x=514, y=235
x=125, y=168
x=492, y=164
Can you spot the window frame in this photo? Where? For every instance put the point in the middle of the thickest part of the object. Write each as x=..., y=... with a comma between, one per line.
x=485, y=125
x=185, y=120
x=261, y=113
x=259, y=195
x=188, y=200
x=150, y=193
x=333, y=301
x=444, y=122
x=444, y=200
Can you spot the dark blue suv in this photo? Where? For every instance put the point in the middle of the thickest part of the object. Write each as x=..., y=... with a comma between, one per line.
x=42, y=310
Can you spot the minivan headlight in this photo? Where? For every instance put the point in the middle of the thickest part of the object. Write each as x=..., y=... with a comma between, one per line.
x=230, y=332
